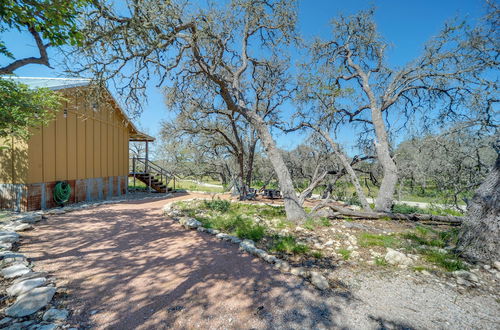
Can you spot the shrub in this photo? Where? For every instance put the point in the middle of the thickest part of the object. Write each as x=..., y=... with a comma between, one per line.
x=249, y=230
x=406, y=209
x=217, y=205
x=288, y=244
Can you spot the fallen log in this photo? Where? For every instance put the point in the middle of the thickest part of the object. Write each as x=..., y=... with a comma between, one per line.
x=345, y=212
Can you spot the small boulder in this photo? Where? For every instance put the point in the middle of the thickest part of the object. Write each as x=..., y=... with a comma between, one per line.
x=25, y=286
x=190, y=223
x=496, y=264
x=319, y=281
x=30, y=302
x=15, y=270
x=397, y=258
x=54, y=314
x=30, y=218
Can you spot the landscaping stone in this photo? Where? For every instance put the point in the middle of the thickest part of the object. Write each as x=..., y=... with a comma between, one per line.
x=5, y=320
x=15, y=270
x=496, y=264
x=190, y=223
x=29, y=218
x=55, y=315
x=222, y=236
x=319, y=281
x=24, y=286
x=466, y=275
x=397, y=258
x=6, y=246
x=8, y=237
x=50, y=326
x=20, y=227
x=30, y=302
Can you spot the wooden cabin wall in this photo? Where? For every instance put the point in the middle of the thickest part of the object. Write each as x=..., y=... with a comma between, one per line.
x=89, y=142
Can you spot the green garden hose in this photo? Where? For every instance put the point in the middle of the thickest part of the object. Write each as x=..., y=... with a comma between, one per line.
x=62, y=192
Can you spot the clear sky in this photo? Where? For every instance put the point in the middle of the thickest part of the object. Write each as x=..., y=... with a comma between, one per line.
x=407, y=24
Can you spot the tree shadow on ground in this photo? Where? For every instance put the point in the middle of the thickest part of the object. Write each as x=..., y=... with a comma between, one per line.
x=126, y=266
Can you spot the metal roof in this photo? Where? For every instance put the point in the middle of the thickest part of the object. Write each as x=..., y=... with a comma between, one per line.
x=51, y=83
x=62, y=83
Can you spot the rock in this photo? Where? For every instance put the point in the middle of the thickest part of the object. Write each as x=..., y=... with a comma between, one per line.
x=247, y=244
x=223, y=236
x=330, y=242
x=202, y=229
x=496, y=264
x=6, y=246
x=21, y=227
x=8, y=237
x=212, y=231
x=50, y=326
x=15, y=270
x=319, y=281
x=298, y=271
x=28, y=276
x=426, y=273
x=30, y=302
x=55, y=315
x=10, y=255
x=190, y=223
x=235, y=239
x=30, y=218
x=397, y=258
x=5, y=321
x=487, y=267
x=24, y=286
x=466, y=275
x=270, y=259
x=282, y=265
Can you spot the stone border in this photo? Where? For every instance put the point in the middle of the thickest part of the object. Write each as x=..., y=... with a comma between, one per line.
x=316, y=278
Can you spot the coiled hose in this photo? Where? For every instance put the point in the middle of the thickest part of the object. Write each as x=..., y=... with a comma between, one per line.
x=62, y=192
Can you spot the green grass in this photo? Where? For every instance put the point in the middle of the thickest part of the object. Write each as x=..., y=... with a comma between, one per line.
x=446, y=260
x=288, y=244
x=367, y=239
x=380, y=261
x=238, y=225
x=317, y=254
x=434, y=210
x=346, y=254
x=189, y=185
x=217, y=205
x=313, y=223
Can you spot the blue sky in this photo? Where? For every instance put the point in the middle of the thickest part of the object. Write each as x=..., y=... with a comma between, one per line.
x=406, y=24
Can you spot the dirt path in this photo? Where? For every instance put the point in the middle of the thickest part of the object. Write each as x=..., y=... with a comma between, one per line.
x=127, y=267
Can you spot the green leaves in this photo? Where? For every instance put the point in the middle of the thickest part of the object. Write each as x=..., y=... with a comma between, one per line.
x=22, y=108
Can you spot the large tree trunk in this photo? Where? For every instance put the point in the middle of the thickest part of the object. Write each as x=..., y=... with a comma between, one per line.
x=479, y=238
x=294, y=211
x=385, y=195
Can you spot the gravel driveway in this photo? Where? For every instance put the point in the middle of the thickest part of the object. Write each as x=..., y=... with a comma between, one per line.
x=127, y=267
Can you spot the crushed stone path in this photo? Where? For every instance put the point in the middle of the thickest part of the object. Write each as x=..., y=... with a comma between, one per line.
x=125, y=266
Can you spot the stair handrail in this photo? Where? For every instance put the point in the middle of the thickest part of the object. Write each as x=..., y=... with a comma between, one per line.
x=149, y=165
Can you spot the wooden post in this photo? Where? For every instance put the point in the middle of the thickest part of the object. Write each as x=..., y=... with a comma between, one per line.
x=133, y=171
x=147, y=156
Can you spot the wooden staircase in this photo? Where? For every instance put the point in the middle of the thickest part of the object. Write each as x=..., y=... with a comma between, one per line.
x=152, y=175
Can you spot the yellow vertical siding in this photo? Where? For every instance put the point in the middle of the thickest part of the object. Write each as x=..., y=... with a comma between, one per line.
x=83, y=144
x=72, y=145
x=60, y=146
x=49, y=152
x=35, y=156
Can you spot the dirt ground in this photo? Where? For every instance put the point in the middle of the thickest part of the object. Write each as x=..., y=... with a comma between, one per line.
x=125, y=266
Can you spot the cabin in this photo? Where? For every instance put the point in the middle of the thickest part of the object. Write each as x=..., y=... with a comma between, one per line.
x=86, y=146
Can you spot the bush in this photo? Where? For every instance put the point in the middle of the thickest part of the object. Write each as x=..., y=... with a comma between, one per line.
x=249, y=230
x=406, y=209
x=218, y=205
x=288, y=244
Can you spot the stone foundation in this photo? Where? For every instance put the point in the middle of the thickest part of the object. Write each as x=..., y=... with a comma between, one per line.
x=36, y=196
